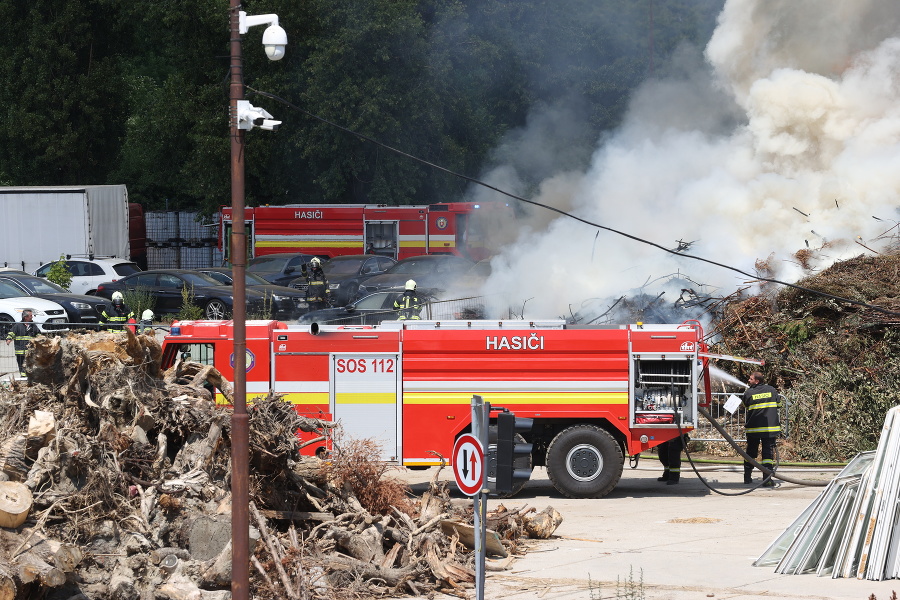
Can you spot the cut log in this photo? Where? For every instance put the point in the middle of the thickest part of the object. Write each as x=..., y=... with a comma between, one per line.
x=42, y=425
x=218, y=573
x=15, y=503
x=13, y=460
x=542, y=525
x=466, y=535
x=64, y=557
x=392, y=577
x=30, y=567
x=7, y=582
x=296, y=515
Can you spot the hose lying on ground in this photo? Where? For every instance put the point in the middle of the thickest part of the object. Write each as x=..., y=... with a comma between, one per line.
x=766, y=470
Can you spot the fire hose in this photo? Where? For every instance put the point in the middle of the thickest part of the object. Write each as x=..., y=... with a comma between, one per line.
x=770, y=473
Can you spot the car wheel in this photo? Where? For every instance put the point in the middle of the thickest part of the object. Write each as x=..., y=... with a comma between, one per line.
x=584, y=461
x=216, y=310
x=6, y=323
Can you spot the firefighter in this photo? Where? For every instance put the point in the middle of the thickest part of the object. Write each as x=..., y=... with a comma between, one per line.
x=146, y=321
x=22, y=333
x=669, y=454
x=408, y=304
x=118, y=315
x=317, y=286
x=762, y=426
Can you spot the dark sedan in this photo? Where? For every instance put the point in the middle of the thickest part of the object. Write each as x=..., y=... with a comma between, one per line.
x=279, y=269
x=371, y=310
x=346, y=273
x=287, y=303
x=433, y=274
x=80, y=309
x=166, y=285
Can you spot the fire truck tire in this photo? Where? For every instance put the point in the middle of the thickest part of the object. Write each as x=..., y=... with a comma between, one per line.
x=584, y=461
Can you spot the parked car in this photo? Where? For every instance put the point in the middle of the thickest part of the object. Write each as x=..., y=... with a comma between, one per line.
x=287, y=303
x=346, y=273
x=279, y=269
x=48, y=315
x=371, y=310
x=87, y=274
x=166, y=285
x=80, y=309
x=434, y=274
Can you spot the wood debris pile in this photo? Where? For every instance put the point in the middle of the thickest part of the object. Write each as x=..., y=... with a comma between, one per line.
x=115, y=478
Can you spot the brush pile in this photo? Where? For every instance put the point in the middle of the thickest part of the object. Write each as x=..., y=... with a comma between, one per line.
x=837, y=363
x=115, y=483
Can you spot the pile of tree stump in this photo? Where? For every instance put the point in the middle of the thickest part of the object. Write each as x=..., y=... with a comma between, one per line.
x=115, y=483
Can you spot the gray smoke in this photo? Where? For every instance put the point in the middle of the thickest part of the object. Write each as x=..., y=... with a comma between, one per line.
x=785, y=138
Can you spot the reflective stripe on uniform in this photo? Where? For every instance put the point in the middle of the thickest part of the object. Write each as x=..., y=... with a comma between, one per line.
x=776, y=428
x=763, y=405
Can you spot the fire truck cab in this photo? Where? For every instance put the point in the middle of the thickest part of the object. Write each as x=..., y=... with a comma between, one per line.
x=596, y=393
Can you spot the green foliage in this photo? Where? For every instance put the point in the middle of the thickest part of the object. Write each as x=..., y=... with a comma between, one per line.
x=138, y=300
x=59, y=274
x=189, y=311
x=838, y=365
x=116, y=95
x=266, y=311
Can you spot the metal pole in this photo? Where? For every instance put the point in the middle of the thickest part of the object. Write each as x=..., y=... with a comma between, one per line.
x=240, y=421
x=480, y=418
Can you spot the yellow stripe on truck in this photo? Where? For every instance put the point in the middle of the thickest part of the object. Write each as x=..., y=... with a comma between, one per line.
x=519, y=398
x=354, y=398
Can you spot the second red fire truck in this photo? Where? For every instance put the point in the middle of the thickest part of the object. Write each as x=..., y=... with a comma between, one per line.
x=465, y=229
x=596, y=394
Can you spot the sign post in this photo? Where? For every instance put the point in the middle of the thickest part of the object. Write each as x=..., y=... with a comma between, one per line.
x=481, y=411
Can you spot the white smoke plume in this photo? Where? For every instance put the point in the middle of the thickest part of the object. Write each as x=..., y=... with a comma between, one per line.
x=787, y=138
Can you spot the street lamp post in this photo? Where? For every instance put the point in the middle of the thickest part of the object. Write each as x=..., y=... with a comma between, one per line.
x=274, y=40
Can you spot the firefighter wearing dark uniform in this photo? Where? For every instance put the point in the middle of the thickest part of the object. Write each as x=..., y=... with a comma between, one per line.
x=118, y=315
x=669, y=454
x=316, y=286
x=762, y=426
x=408, y=304
x=21, y=334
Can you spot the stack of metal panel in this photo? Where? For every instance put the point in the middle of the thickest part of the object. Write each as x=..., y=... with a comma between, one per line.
x=851, y=529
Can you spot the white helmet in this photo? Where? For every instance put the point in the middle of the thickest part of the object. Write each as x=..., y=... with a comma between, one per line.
x=147, y=315
x=315, y=262
x=118, y=297
x=411, y=284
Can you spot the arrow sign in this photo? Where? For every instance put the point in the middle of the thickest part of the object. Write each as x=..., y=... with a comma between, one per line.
x=468, y=464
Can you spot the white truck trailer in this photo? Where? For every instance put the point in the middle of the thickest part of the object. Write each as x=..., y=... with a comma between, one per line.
x=40, y=224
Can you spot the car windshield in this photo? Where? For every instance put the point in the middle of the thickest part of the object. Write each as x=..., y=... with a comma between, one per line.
x=8, y=290
x=40, y=286
x=267, y=264
x=124, y=269
x=373, y=301
x=254, y=279
x=408, y=267
x=199, y=279
x=222, y=278
x=342, y=267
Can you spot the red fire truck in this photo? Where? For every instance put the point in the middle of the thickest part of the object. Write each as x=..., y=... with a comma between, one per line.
x=464, y=228
x=595, y=393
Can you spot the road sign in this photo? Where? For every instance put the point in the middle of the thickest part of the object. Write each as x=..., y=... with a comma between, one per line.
x=468, y=464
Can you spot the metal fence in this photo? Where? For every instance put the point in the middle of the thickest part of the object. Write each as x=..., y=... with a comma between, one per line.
x=734, y=423
x=8, y=367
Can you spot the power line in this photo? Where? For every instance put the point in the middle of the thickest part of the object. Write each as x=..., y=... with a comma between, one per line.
x=570, y=215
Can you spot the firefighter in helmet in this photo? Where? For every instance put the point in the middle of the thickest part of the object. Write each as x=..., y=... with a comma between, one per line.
x=117, y=316
x=408, y=304
x=316, y=285
x=21, y=335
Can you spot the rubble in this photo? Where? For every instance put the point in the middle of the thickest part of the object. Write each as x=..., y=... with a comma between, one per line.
x=116, y=485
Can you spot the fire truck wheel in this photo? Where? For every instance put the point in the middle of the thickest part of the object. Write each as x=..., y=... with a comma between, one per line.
x=584, y=461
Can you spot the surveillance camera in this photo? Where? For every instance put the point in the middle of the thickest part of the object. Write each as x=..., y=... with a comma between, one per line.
x=267, y=124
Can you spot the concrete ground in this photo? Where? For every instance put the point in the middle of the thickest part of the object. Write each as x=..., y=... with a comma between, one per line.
x=674, y=542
